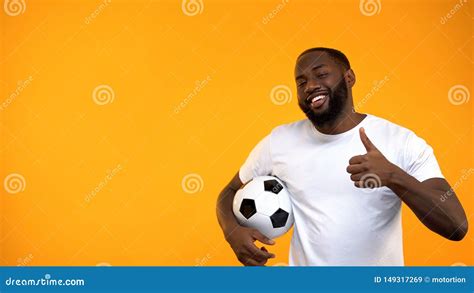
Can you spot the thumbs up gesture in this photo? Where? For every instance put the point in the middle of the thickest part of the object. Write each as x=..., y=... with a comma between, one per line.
x=371, y=170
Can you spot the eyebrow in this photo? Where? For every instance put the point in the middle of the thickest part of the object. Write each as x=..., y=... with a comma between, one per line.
x=314, y=68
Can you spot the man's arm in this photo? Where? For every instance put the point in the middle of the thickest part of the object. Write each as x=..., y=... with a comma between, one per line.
x=433, y=201
x=240, y=238
x=225, y=215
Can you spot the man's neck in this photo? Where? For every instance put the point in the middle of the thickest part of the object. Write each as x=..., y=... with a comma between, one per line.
x=344, y=122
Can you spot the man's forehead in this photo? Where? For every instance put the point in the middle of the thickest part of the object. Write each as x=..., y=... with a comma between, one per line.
x=312, y=59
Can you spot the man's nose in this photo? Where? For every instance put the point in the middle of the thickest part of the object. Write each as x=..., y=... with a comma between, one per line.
x=311, y=86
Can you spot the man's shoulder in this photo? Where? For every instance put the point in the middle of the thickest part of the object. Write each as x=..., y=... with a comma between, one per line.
x=291, y=128
x=387, y=126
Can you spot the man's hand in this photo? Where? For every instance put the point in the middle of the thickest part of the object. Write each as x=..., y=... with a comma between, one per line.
x=445, y=217
x=371, y=170
x=242, y=239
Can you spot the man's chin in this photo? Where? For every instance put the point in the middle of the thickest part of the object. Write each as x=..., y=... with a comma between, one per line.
x=317, y=116
x=320, y=118
x=318, y=113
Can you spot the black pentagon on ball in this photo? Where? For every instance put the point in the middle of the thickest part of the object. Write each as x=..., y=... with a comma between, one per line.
x=272, y=186
x=247, y=208
x=279, y=218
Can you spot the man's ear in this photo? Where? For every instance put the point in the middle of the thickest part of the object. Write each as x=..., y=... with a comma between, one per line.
x=350, y=78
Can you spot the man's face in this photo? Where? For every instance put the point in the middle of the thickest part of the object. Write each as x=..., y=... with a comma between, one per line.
x=322, y=91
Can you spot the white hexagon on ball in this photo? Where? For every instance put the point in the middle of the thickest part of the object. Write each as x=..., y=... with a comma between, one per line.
x=267, y=203
x=264, y=203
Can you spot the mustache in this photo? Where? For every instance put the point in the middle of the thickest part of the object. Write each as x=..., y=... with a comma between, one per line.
x=304, y=103
x=337, y=99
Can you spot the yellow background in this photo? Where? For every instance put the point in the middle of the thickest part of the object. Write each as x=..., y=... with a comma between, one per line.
x=192, y=96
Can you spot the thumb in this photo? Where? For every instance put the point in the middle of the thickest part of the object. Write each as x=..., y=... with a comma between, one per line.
x=262, y=238
x=369, y=146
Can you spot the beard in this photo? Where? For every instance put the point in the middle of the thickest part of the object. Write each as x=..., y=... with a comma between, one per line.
x=337, y=101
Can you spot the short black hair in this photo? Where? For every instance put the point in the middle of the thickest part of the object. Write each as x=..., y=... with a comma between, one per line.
x=337, y=55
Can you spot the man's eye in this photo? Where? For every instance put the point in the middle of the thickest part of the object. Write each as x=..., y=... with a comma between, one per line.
x=301, y=83
x=322, y=75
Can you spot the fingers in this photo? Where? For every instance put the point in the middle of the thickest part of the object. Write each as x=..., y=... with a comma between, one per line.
x=362, y=184
x=260, y=256
x=264, y=249
x=262, y=238
x=357, y=159
x=357, y=168
x=254, y=256
x=252, y=262
x=259, y=253
x=364, y=180
x=366, y=184
x=249, y=254
x=369, y=146
x=357, y=177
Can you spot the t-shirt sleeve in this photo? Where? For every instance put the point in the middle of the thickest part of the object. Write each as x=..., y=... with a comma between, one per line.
x=258, y=163
x=420, y=160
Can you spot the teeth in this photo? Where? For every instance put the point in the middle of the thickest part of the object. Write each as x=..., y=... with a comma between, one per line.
x=315, y=99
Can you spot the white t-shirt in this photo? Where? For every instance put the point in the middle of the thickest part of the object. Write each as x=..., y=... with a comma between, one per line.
x=336, y=223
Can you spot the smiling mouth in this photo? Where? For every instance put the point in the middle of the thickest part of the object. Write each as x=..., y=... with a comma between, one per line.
x=317, y=101
x=313, y=96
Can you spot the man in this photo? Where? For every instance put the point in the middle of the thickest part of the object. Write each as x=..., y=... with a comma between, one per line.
x=347, y=173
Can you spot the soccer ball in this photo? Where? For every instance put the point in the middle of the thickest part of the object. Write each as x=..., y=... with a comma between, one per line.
x=264, y=203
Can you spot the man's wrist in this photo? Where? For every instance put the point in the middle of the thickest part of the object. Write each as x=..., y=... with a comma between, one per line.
x=229, y=229
x=395, y=180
